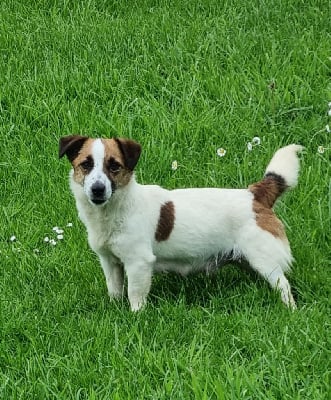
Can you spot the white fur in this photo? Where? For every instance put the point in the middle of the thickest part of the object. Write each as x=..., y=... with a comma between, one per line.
x=286, y=164
x=97, y=174
x=209, y=224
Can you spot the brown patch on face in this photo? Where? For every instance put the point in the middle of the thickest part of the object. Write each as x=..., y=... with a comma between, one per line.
x=269, y=189
x=121, y=156
x=267, y=220
x=83, y=162
x=130, y=151
x=71, y=145
x=114, y=164
x=166, y=221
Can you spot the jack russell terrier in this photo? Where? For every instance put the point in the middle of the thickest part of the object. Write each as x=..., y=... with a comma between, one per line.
x=138, y=229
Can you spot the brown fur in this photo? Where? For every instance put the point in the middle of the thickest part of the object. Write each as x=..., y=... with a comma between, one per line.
x=71, y=145
x=268, y=190
x=166, y=221
x=265, y=194
x=112, y=151
x=130, y=151
x=121, y=177
x=84, y=152
x=267, y=220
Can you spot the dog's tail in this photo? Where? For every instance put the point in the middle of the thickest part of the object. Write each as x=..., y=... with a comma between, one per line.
x=281, y=174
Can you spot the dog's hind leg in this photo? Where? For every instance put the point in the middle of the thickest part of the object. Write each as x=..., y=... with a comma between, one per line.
x=114, y=274
x=278, y=281
x=270, y=259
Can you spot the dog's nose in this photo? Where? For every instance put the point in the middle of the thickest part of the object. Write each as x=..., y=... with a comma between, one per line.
x=98, y=189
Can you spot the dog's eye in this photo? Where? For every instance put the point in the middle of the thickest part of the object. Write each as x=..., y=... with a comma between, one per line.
x=113, y=166
x=87, y=165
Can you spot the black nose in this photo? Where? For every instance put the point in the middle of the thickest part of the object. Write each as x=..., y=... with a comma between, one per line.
x=98, y=189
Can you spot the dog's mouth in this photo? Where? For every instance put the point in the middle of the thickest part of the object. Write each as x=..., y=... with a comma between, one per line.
x=98, y=202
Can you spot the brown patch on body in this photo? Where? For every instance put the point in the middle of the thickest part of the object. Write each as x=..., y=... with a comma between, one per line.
x=267, y=220
x=166, y=221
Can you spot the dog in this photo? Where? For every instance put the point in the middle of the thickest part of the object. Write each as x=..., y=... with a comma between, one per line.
x=140, y=229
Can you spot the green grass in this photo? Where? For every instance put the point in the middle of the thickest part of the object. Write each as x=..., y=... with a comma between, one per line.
x=183, y=78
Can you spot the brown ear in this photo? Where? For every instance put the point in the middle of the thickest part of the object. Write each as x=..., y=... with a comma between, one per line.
x=131, y=152
x=71, y=145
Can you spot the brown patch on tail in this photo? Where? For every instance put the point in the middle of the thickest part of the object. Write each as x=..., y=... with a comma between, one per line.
x=265, y=194
x=269, y=189
x=166, y=221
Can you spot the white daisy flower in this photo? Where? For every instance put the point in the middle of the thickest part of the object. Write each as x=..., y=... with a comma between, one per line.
x=329, y=113
x=174, y=165
x=52, y=242
x=46, y=239
x=59, y=231
x=69, y=224
x=60, y=237
x=256, y=141
x=327, y=128
x=55, y=228
x=329, y=104
x=249, y=146
x=13, y=238
x=221, y=152
x=320, y=149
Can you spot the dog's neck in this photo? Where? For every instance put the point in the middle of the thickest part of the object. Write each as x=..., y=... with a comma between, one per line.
x=123, y=197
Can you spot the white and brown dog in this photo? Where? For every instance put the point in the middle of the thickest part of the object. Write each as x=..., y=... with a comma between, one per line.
x=138, y=229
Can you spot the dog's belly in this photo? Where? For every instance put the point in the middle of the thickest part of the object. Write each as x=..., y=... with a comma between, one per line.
x=185, y=267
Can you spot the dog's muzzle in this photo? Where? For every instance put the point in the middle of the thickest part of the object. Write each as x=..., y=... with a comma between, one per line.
x=98, y=191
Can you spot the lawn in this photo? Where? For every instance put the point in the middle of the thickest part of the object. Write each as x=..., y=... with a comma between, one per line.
x=184, y=78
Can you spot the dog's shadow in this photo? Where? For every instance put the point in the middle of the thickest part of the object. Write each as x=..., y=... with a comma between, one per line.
x=199, y=289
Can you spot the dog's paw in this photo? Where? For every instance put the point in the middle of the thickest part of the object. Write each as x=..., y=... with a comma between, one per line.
x=137, y=305
x=288, y=300
x=115, y=295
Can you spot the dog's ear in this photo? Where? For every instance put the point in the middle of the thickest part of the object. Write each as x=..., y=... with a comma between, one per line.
x=71, y=145
x=131, y=152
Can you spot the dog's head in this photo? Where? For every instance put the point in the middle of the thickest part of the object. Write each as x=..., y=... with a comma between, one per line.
x=100, y=166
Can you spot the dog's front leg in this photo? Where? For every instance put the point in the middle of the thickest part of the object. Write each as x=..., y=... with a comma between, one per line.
x=139, y=282
x=114, y=275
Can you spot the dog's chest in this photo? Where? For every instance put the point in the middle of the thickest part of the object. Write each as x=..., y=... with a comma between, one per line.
x=103, y=229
